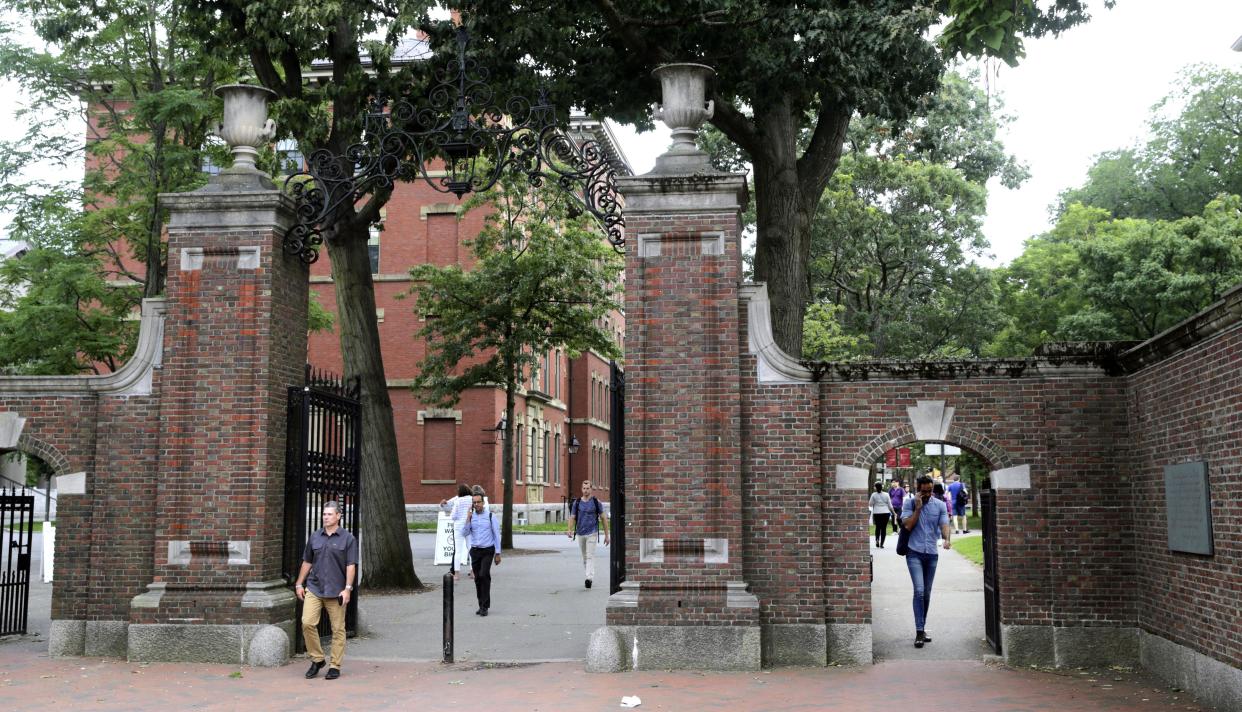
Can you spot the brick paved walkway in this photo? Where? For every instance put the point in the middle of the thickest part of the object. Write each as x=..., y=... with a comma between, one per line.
x=29, y=677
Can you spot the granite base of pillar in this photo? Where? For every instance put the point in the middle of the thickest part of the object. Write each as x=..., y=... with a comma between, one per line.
x=674, y=647
x=1064, y=647
x=260, y=633
x=801, y=644
x=95, y=639
x=1212, y=681
x=66, y=639
x=262, y=645
x=850, y=644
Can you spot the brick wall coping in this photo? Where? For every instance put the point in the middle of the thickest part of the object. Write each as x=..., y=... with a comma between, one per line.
x=776, y=366
x=131, y=379
x=1217, y=317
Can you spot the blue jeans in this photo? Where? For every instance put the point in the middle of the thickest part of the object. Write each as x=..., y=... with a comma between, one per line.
x=922, y=573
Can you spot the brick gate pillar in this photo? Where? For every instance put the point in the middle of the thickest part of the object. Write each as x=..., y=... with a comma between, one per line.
x=684, y=603
x=236, y=339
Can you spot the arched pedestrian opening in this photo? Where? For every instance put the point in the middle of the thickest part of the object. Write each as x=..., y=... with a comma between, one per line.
x=28, y=527
x=964, y=597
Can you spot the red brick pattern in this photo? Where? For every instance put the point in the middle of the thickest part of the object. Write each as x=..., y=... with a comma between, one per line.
x=684, y=419
x=1187, y=409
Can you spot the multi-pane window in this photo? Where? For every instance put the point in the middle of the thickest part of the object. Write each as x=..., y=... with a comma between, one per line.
x=556, y=462
x=546, y=456
x=531, y=459
x=517, y=458
x=289, y=158
x=373, y=247
x=557, y=385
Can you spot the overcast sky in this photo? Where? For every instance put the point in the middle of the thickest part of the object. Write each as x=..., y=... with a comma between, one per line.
x=1074, y=96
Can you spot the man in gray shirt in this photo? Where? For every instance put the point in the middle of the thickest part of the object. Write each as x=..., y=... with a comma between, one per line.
x=326, y=581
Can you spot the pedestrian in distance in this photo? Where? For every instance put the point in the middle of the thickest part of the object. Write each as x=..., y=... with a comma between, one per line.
x=925, y=516
x=881, y=510
x=896, y=496
x=586, y=518
x=483, y=535
x=326, y=582
x=941, y=494
x=458, y=509
x=958, y=496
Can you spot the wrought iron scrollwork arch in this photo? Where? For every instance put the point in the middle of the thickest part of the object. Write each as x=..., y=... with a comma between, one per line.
x=475, y=141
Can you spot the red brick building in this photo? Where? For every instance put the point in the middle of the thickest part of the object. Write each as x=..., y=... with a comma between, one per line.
x=565, y=400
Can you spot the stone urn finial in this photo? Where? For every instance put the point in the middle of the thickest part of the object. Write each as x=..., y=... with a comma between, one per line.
x=246, y=125
x=684, y=109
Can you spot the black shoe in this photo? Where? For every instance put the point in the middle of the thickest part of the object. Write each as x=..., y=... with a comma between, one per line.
x=479, y=612
x=483, y=612
x=919, y=639
x=333, y=673
x=588, y=581
x=926, y=637
x=315, y=667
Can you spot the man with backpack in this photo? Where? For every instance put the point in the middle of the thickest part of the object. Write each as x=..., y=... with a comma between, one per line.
x=959, y=496
x=586, y=517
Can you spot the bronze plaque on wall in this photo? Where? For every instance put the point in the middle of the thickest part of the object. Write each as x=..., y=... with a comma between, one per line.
x=1190, y=507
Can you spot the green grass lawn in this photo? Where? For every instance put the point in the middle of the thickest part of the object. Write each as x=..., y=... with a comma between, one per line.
x=971, y=548
x=38, y=526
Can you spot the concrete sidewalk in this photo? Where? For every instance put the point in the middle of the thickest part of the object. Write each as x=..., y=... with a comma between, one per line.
x=954, y=621
x=929, y=686
x=541, y=609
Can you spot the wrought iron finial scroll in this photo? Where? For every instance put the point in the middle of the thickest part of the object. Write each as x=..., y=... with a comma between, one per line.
x=473, y=142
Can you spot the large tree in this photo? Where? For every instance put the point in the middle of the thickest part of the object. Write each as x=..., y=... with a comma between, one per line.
x=143, y=88
x=902, y=218
x=122, y=71
x=542, y=279
x=790, y=76
x=1189, y=158
x=1098, y=278
x=353, y=41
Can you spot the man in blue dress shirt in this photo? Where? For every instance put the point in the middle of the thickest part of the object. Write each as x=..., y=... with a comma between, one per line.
x=483, y=535
x=924, y=514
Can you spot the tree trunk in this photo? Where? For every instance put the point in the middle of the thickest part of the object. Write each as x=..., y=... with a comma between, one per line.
x=386, y=558
x=783, y=220
x=506, y=469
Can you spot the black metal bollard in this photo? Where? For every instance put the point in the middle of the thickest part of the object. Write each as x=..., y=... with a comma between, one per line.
x=448, y=617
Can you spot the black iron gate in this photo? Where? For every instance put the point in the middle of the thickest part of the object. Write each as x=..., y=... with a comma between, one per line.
x=991, y=591
x=616, y=495
x=17, y=528
x=323, y=463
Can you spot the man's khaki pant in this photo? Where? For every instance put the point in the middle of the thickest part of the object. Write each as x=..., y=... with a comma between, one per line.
x=586, y=545
x=312, y=607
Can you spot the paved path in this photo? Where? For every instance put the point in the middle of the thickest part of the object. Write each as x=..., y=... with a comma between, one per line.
x=542, y=612
x=26, y=675
x=541, y=609
x=955, y=620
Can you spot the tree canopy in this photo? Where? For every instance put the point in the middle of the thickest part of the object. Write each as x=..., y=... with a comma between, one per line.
x=1190, y=157
x=542, y=280
x=790, y=76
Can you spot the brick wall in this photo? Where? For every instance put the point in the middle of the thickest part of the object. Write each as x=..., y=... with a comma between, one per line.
x=1188, y=408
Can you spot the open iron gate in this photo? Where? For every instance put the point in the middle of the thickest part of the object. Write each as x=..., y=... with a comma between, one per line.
x=323, y=463
x=991, y=591
x=616, y=496
x=17, y=527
